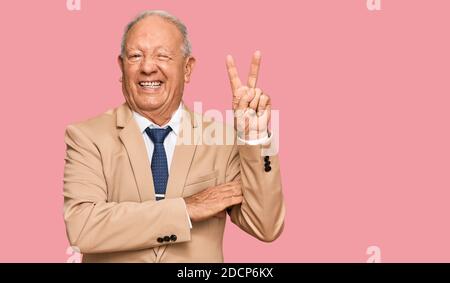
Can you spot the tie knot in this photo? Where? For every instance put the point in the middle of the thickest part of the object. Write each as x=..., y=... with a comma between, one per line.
x=158, y=135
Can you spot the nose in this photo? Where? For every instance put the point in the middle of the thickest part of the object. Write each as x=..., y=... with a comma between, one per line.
x=148, y=66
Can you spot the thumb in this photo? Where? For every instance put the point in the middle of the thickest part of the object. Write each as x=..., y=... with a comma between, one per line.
x=246, y=95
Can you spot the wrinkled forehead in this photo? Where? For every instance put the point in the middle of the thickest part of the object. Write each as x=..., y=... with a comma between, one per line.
x=154, y=32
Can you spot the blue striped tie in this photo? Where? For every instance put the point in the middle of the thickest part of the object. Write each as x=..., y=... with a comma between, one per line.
x=159, y=160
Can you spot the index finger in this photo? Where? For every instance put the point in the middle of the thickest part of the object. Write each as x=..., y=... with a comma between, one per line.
x=235, y=81
x=254, y=69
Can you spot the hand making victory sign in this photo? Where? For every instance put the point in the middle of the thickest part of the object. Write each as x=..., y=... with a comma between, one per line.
x=251, y=105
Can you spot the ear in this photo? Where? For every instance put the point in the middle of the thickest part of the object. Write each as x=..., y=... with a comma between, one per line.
x=188, y=68
x=120, y=62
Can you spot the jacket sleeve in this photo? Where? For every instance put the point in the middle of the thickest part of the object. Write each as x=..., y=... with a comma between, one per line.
x=261, y=213
x=95, y=225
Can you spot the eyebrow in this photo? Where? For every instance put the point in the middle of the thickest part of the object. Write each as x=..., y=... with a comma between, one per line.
x=155, y=49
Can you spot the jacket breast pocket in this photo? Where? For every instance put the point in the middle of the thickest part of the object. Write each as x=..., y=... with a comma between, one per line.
x=199, y=184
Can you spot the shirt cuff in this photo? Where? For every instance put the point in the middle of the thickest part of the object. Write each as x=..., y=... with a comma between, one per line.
x=187, y=214
x=261, y=141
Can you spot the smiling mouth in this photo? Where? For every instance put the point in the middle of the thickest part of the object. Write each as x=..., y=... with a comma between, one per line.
x=150, y=85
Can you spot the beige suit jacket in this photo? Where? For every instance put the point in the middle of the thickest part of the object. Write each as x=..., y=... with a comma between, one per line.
x=110, y=210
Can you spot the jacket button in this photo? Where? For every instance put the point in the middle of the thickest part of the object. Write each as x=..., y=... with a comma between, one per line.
x=166, y=238
x=173, y=238
x=160, y=240
x=266, y=158
x=266, y=163
x=267, y=168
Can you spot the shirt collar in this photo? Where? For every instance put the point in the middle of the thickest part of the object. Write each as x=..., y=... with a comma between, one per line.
x=174, y=121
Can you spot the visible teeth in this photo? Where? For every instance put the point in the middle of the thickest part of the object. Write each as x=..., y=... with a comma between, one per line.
x=153, y=84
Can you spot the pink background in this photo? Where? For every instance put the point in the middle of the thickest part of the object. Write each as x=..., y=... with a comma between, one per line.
x=363, y=99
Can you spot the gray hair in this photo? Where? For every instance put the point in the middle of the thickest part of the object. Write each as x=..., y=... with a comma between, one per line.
x=186, y=48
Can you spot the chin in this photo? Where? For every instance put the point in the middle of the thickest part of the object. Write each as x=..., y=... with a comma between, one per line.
x=151, y=104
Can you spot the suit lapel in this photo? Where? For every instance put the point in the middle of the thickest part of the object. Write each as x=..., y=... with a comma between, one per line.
x=131, y=138
x=187, y=141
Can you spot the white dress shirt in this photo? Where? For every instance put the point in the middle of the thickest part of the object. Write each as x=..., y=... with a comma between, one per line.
x=171, y=139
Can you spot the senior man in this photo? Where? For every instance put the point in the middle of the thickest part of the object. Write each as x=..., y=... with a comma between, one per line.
x=138, y=184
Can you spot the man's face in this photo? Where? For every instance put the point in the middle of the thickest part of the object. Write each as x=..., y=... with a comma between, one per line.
x=154, y=69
